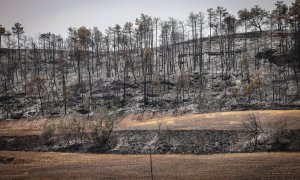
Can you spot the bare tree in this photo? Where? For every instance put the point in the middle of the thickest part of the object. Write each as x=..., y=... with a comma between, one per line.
x=279, y=132
x=18, y=30
x=84, y=36
x=211, y=14
x=2, y=32
x=244, y=18
x=253, y=127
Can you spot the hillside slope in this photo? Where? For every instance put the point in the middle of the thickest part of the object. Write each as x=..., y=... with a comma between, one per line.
x=256, y=77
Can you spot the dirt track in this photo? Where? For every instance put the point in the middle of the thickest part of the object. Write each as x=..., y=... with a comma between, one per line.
x=148, y=121
x=30, y=165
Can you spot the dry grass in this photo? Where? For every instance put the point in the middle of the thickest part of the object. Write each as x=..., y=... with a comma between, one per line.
x=213, y=121
x=22, y=127
x=33, y=165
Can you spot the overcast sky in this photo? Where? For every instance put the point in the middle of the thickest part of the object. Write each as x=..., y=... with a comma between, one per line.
x=55, y=16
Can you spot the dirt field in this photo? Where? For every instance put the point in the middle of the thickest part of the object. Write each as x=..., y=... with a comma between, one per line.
x=149, y=121
x=32, y=165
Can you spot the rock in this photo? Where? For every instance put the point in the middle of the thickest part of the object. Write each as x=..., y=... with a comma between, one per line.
x=217, y=144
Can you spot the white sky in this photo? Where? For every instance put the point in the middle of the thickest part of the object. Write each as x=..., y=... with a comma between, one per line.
x=55, y=16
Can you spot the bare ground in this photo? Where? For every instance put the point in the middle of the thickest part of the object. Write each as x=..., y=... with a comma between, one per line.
x=37, y=165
